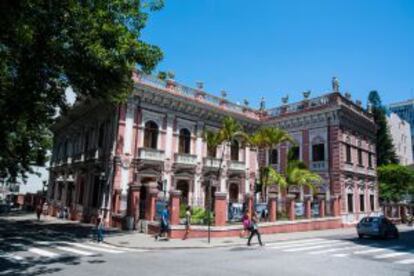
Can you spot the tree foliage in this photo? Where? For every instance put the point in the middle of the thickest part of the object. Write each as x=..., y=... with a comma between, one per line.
x=395, y=181
x=384, y=147
x=47, y=46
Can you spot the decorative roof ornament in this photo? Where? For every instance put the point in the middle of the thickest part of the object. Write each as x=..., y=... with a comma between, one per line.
x=369, y=108
x=335, y=84
x=246, y=102
x=358, y=103
x=348, y=95
x=285, y=99
x=200, y=85
x=306, y=94
x=223, y=93
x=262, y=104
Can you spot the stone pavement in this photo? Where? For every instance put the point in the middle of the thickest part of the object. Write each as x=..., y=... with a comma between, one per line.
x=144, y=241
x=136, y=240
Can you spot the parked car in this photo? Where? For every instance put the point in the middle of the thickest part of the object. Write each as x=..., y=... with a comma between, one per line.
x=377, y=227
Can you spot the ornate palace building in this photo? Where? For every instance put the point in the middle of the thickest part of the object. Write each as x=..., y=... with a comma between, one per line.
x=121, y=160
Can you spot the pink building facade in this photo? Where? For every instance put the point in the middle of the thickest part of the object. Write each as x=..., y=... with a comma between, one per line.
x=118, y=161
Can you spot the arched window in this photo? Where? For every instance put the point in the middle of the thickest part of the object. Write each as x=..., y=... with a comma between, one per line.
x=184, y=141
x=234, y=193
x=234, y=150
x=273, y=156
x=183, y=186
x=151, y=135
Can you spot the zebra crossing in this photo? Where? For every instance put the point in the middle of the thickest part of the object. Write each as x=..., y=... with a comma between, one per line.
x=398, y=254
x=20, y=252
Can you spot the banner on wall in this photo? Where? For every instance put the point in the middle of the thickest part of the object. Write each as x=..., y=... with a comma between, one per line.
x=235, y=211
x=299, y=209
x=315, y=209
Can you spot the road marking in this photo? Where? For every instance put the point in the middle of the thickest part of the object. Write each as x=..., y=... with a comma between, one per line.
x=305, y=248
x=117, y=247
x=43, y=252
x=335, y=249
x=391, y=255
x=299, y=244
x=94, y=248
x=406, y=261
x=76, y=251
x=11, y=257
x=296, y=241
x=340, y=255
x=376, y=250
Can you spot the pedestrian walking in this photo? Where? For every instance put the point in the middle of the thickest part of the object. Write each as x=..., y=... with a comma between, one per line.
x=254, y=230
x=246, y=225
x=39, y=209
x=187, y=222
x=100, y=229
x=164, y=223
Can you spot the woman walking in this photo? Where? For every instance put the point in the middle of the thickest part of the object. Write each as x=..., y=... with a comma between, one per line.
x=254, y=230
x=99, y=229
x=187, y=222
x=246, y=225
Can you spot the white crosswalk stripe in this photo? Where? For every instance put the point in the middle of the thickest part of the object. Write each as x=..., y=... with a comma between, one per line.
x=391, y=255
x=11, y=257
x=331, y=250
x=95, y=248
x=305, y=248
x=297, y=244
x=405, y=261
x=375, y=250
x=75, y=251
x=43, y=252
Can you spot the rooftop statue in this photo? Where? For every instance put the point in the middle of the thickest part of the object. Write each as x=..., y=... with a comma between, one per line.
x=335, y=84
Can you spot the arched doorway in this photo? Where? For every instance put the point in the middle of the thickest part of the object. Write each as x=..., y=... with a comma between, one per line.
x=233, y=193
x=183, y=186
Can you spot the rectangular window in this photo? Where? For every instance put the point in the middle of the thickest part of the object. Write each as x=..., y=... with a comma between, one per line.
x=348, y=154
x=318, y=152
x=350, y=203
x=273, y=156
x=372, y=202
x=81, y=192
x=370, y=160
x=360, y=157
x=95, y=192
x=294, y=153
x=361, y=203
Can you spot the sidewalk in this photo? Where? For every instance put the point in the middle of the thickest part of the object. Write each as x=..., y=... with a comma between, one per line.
x=144, y=241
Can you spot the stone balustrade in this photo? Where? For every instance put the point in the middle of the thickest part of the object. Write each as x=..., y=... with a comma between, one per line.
x=151, y=154
x=186, y=159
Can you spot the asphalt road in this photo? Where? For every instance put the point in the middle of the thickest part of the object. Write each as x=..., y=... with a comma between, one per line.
x=28, y=248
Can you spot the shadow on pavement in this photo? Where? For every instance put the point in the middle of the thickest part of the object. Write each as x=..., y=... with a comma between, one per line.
x=17, y=236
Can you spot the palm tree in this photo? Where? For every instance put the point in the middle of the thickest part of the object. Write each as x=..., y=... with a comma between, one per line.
x=266, y=138
x=299, y=175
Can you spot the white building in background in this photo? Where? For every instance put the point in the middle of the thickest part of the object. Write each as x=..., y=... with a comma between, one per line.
x=401, y=137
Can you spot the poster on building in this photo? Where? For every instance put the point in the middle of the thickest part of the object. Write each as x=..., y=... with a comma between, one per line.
x=261, y=210
x=159, y=207
x=315, y=209
x=235, y=211
x=299, y=209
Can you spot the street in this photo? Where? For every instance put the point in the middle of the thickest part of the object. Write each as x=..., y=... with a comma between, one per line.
x=59, y=248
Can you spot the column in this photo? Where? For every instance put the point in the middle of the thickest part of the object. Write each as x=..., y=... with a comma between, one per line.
x=272, y=207
x=308, y=207
x=150, y=210
x=291, y=207
x=220, y=208
x=322, y=207
x=175, y=207
x=133, y=202
x=335, y=206
x=249, y=203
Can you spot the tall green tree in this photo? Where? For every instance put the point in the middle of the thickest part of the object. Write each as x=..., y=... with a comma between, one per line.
x=395, y=181
x=48, y=46
x=384, y=147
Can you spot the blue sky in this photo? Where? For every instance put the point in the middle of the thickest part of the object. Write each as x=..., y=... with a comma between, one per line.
x=277, y=48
